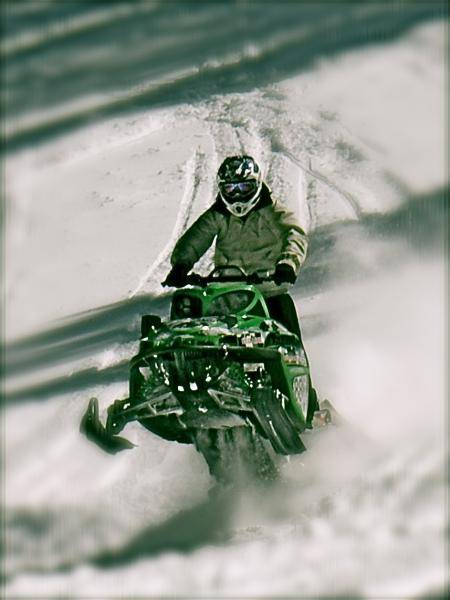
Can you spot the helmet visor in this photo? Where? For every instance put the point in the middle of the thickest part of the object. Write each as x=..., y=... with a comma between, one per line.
x=238, y=191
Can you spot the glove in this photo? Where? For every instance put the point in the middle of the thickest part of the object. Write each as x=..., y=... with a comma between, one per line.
x=284, y=273
x=177, y=276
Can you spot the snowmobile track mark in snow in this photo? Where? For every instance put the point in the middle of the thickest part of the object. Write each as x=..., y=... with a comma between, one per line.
x=192, y=168
x=351, y=201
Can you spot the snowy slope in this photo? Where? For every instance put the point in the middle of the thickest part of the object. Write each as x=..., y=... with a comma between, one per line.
x=356, y=146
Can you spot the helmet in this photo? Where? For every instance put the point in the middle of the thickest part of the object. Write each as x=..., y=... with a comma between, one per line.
x=240, y=180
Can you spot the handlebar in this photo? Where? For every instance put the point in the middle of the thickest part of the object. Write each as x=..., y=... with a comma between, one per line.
x=223, y=275
x=200, y=280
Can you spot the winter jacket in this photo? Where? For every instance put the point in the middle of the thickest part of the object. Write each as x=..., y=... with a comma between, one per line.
x=268, y=235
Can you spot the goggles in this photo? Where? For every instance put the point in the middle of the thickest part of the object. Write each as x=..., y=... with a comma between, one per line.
x=238, y=189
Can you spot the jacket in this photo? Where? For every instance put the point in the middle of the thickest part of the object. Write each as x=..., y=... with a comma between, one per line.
x=268, y=235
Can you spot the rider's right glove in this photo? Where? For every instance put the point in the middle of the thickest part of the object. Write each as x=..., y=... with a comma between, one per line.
x=177, y=276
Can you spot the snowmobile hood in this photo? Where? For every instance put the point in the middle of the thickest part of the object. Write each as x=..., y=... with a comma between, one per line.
x=204, y=325
x=211, y=331
x=220, y=315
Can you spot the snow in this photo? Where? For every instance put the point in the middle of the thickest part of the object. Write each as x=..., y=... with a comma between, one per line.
x=91, y=220
x=382, y=97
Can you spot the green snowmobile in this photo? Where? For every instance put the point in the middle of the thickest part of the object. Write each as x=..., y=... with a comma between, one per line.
x=221, y=374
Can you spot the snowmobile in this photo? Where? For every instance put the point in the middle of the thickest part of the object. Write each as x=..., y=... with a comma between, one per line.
x=221, y=374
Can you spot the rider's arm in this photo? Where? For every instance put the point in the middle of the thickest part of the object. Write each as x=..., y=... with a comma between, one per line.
x=295, y=240
x=196, y=240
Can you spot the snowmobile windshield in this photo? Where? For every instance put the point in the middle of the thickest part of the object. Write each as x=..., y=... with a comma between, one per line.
x=229, y=303
x=185, y=306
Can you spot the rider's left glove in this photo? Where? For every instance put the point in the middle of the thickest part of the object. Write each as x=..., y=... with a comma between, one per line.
x=284, y=273
x=177, y=276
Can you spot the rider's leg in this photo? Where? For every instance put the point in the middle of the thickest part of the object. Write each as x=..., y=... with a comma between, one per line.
x=282, y=309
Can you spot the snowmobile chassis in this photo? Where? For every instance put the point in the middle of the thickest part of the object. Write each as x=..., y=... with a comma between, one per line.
x=221, y=374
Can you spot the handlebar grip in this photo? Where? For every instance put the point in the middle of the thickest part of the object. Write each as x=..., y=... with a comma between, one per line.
x=195, y=279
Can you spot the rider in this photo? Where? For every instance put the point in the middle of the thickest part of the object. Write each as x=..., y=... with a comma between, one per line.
x=252, y=232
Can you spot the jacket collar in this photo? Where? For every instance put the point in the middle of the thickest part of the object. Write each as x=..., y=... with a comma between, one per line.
x=265, y=199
